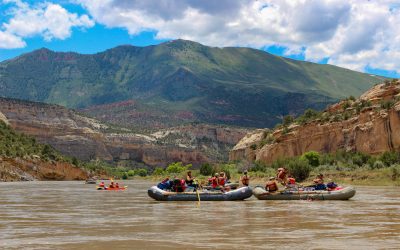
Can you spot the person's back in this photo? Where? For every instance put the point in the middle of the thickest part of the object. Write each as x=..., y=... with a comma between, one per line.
x=245, y=180
x=221, y=179
x=281, y=175
x=319, y=182
x=271, y=185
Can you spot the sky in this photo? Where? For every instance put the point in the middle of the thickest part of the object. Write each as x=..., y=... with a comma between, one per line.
x=357, y=34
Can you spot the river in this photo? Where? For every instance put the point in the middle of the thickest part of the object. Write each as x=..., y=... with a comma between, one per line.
x=73, y=215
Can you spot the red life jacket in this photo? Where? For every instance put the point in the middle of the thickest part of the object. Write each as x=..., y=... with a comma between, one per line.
x=292, y=181
x=221, y=181
x=214, y=182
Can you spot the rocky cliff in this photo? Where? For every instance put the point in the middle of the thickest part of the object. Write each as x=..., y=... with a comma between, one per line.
x=76, y=135
x=18, y=169
x=370, y=124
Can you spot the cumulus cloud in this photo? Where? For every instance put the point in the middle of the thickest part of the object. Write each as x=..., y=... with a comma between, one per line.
x=49, y=20
x=354, y=33
x=10, y=41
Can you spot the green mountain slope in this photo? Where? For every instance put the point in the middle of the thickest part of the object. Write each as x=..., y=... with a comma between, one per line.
x=238, y=86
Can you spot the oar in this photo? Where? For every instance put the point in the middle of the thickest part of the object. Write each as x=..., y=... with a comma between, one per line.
x=197, y=192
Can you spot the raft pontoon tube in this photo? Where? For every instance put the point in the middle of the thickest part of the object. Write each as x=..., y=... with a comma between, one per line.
x=344, y=193
x=205, y=195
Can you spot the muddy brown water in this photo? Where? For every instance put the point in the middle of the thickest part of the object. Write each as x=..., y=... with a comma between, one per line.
x=73, y=215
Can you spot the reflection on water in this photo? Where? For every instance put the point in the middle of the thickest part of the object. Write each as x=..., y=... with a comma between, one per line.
x=72, y=215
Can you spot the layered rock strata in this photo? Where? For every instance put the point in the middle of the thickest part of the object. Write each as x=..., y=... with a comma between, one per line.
x=370, y=124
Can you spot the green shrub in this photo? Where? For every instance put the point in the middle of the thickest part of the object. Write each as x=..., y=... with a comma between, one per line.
x=253, y=146
x=206, y=169
x=124, y=176
x=177, y=168
x=287, y=120
x=387, y=104
x=395, y=169
x=299, y=169
x=158, y=171
x=312, y=157
x=141, y=172
x=258, y=166
x=378, y=165
x=131, y=172
x=389, y=158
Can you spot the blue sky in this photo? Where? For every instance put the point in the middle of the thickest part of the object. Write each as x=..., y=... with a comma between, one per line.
x=355, y=34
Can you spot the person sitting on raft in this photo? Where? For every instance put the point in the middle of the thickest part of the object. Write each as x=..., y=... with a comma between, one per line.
x=111, y=185
x=291, y=182
x=179, y=185
x=319, y=182
x=271, y=185
x=281, y=175
x=116, y=185
x=214, y=181
x=222, y=179
x=190, y=180
x=244, y=179
x=165, y=184
x=101, y=184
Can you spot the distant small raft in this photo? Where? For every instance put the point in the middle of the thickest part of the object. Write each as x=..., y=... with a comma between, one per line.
x=340, y=194
x=237, y=194
x=112, y=189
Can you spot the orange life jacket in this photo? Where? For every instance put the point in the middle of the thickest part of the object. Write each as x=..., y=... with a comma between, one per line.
x=271, y=186
x=281, y=174
x=245, y=180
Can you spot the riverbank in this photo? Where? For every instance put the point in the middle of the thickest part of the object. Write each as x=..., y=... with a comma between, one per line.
x=360, y=177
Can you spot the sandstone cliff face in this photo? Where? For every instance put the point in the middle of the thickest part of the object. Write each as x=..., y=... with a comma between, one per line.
x=17, y=169
x=371, y=129
x=76, y=135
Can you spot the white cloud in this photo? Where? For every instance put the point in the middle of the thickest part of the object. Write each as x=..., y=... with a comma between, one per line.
x=354, y=33
x=51, y=21
x=10, y=41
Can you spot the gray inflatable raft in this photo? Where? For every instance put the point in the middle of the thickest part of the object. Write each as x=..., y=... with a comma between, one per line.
x=340, y=194
x=205, y=195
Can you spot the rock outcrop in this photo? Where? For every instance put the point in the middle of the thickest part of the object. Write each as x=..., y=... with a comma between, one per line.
x=370, y=124
x=75, y=135
x=17, y=169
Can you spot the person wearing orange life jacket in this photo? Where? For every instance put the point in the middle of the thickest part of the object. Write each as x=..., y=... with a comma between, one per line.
x=291, y=182
x=282, y=175
x=271, y=185
x=245, y=180
x=101, y=184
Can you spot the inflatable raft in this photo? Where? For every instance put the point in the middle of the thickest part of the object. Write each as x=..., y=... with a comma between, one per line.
x=112, y=189
x=205, y=195
x=340, y=193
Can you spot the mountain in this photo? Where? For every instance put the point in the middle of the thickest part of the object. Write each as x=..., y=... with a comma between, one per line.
x=369, y=124
x=180, y=81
